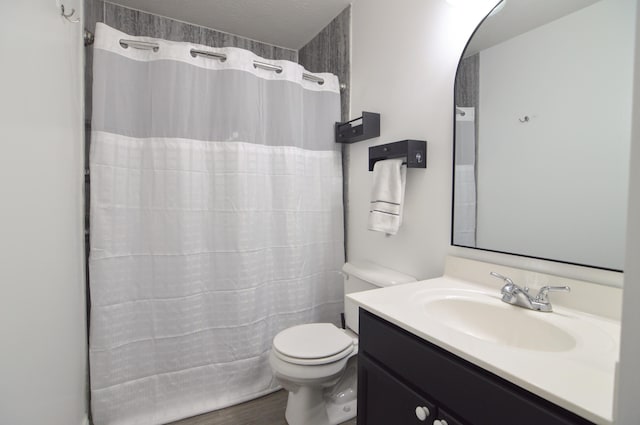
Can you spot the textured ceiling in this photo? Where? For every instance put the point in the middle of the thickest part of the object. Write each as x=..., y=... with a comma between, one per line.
x=284, y=23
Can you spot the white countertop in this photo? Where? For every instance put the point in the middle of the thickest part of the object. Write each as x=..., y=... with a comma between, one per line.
x=580, y=379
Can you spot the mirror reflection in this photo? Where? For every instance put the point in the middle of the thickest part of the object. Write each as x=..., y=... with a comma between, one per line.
x=542, y=131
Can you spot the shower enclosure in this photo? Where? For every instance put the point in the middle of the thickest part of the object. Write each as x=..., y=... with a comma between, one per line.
x=216, y=221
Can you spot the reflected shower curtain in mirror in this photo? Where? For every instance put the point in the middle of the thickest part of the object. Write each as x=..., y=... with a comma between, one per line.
x=216, y=221
x=464, y=190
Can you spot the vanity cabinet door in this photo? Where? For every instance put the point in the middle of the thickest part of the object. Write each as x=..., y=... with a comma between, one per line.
x=384, y=400
x=446, y=419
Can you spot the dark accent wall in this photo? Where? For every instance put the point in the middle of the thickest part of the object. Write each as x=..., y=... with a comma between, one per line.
x=139, y=23
x=467, y=82
x=467, y=93
x=329, y=52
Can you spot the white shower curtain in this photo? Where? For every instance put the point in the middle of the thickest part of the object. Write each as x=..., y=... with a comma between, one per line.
x=464, y=201
x=216, y=221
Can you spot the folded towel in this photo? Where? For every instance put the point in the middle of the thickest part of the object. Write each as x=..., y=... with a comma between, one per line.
x=387, y=196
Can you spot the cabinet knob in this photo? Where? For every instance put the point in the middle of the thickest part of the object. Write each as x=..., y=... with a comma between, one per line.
x=440, y=422
x=422, y=413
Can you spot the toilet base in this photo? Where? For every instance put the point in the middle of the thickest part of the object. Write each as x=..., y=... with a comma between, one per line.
x=339, y=413
x=308, y=406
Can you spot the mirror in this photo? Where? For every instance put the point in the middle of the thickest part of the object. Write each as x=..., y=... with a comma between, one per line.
x=543, y=99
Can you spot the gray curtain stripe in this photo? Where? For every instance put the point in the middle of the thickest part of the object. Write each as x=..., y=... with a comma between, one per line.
x=145, y=106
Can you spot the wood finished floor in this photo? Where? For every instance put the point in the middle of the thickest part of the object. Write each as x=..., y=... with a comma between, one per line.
x=267, y=410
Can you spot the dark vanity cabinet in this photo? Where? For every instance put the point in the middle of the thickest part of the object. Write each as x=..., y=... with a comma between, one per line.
x=403, y=379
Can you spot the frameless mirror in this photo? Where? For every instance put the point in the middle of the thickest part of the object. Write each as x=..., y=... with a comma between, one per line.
x=543, y=101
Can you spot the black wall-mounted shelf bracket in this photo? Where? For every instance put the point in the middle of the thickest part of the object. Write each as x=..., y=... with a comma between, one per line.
x=362, y=128
x=414, y=150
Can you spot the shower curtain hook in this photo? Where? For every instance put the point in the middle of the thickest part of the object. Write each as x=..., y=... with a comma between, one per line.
x=68, y=16
x=88, y=37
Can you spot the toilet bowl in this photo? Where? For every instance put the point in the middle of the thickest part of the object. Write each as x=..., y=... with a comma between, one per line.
x=316, y=362
x=310, y=361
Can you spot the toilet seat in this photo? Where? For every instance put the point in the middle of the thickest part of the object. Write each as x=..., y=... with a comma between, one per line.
x=312, y=344
x=316, y=361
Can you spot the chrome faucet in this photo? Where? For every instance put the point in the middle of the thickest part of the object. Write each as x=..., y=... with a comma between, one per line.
x=513, y=294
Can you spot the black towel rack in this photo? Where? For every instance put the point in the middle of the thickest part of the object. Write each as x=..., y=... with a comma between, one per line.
x=414, y=150
x=362, y=128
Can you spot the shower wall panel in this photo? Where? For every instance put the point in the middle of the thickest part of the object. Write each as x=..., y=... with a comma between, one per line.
x=329, y=52
x=468, y=82
x=135, y=22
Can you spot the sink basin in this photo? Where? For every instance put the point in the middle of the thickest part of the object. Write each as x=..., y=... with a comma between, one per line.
x=489, y=319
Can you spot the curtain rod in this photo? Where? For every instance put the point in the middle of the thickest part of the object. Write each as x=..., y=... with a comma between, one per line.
x=144, y=45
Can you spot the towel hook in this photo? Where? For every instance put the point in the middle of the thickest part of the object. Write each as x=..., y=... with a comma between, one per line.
x=525, y=119
x=68, y=16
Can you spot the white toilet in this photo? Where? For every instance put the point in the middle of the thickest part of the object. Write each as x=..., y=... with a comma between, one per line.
x=316, y=362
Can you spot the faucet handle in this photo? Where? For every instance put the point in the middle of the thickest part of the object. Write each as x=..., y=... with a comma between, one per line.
x=542, y=295
x=499, y=276
x=509, y=282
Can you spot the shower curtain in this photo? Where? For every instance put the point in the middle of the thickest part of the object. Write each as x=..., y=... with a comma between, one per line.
x=464, y=201
x=216, y=221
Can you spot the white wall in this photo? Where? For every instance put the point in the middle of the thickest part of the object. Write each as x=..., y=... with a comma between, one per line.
x=629, y=368
x=42, y=304
x=570, y=204
x=403, y=63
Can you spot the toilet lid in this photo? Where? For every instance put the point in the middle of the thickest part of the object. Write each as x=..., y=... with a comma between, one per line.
x=312, y=341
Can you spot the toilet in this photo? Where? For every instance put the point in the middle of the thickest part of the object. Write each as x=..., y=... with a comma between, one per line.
x=316, y=362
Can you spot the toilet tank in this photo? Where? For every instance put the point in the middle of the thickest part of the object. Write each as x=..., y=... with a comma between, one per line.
x=363, y=276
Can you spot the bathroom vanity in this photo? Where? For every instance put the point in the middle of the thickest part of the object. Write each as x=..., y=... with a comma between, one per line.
x=406, y=380
x=448, y=351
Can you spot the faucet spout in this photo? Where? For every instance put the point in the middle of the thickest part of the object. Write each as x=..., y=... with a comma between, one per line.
x=513, y=294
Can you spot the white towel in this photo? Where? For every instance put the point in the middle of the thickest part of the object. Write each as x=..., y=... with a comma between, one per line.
x=387, y=196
